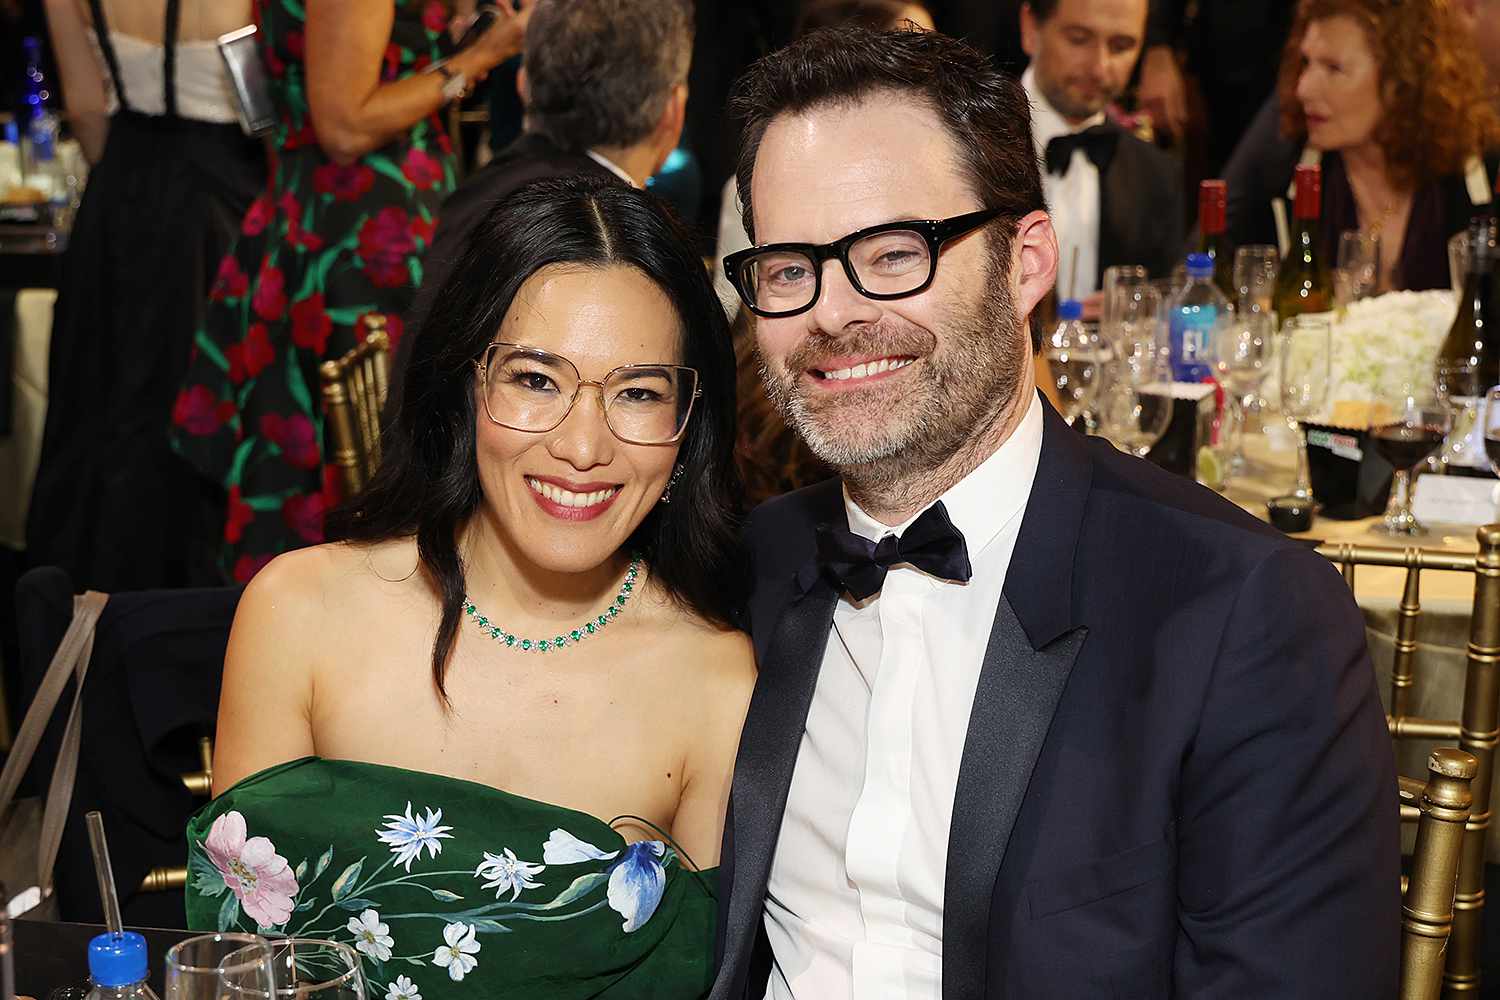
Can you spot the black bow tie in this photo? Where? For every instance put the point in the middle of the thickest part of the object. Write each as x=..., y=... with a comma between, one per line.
x=1098, y=144
x=858, y=565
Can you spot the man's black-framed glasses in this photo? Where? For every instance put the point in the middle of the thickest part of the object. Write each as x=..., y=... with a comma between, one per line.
x=888, y=261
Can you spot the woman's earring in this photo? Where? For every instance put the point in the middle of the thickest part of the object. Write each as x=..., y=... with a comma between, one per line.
x=666, y=494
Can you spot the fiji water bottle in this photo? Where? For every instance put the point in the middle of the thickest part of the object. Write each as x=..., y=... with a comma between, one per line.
x=117, y=967
x=1195, y=311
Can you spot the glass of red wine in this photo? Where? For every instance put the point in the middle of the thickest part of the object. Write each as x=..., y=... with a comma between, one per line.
x=1407, y=426
x=1491, y=418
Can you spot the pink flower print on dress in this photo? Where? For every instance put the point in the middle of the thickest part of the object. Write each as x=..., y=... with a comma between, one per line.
x=259, y=877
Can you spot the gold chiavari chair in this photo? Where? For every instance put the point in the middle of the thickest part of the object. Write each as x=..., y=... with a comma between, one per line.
x=1477, y=729
x=200, y=783
x=354, y=390
x=1441, y=807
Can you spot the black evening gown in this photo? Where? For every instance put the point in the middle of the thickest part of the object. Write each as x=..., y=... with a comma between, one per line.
x=113, y=504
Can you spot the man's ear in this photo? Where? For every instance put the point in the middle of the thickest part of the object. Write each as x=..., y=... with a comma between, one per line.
x=668, y=131
x=1030, y=30
x=1033, y=261
x=523, y=86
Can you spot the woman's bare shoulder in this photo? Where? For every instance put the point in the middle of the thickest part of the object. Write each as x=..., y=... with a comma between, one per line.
x=311, y=590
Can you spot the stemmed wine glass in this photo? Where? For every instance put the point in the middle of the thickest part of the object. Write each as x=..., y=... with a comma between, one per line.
x=1405, y=430
x=1306, y=369
x=310, y=969
x=1242, y=359
x=211, y=966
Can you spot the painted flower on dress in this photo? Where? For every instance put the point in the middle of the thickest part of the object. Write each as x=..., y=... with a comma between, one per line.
x=258, y=217
x=269, y=300
x=259, y=877
x=345, y=183
x=457, y=952
x=371, y=936
x=402, y=989
x=303, y=514
x=506, y=871
x=249, y=564
x=562, y=848
x=296, y=436
x=434, y=17
x=385, y=241
x=310, y=323
x=407, y=835
x=198, y=410
x=637, y=882
x=239, y=514
x=423, y=170
x=230, y=282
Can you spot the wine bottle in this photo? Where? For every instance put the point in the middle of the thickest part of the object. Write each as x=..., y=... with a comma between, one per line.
x=1213, y=204
x=1304, y=286
x=1469, y=358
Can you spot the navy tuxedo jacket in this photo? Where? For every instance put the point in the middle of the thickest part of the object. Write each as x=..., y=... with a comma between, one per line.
x=1176, y=781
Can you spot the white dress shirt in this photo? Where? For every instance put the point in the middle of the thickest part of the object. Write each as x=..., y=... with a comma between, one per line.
x=854, y=902
x=611, y=166
x=1073, y=198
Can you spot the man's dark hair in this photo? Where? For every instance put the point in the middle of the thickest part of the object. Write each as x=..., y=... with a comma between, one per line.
x=427, y=485
x=1042, y=10
x=882, y=15
x=985, y=112
x=599, y=72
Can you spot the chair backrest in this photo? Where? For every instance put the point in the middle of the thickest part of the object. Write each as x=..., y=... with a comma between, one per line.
x=1443, y=803
x=354, y=391
x=1479, y=719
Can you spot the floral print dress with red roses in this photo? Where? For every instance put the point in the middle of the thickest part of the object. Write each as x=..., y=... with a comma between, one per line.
x=321, y=248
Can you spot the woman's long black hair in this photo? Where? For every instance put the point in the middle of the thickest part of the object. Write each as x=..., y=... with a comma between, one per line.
x=427, y=485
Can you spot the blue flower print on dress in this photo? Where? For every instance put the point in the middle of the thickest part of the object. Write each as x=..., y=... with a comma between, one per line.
x=407, y=835
x=637, y=882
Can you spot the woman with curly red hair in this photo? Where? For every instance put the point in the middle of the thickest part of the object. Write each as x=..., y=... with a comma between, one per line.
x=1390, y=98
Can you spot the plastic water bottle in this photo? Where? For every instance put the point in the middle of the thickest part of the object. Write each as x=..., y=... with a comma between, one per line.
x=117, y=968
x=1195, y=312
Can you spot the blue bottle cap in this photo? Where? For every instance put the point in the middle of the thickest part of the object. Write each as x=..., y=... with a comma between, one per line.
x=117, y=959
x=1200, y=265
x=1069, y=309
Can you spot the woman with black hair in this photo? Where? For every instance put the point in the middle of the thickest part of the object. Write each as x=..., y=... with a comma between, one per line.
x=553, y=531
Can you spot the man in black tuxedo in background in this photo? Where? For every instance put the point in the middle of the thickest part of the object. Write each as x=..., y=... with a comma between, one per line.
x=1034, y=718
x=605, y=87
x=1114, y=198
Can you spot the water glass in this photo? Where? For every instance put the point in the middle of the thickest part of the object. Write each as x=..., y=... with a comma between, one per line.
x=1405, y=430
x=1255, y=269
x=214, y=966
x=1136, y=405
x=1117, y=279
x=1306, y=369
x=1357, y=274
x=312, y=969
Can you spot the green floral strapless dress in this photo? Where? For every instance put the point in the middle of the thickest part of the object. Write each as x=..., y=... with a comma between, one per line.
x=449, y=888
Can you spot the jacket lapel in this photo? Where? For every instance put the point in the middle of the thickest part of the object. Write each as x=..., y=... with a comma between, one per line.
x=1032, y=646
x=770, y=741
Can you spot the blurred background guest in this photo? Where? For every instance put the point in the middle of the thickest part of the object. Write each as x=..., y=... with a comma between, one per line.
x=1393, y=101
x=882, y=15
x=1481, y=23
x=149, y=99
x=1113, y=198
x=604, y=84
x=362, y=164
x=1232, y=51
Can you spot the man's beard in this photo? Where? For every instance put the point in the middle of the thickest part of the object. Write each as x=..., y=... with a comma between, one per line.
x=893, y=430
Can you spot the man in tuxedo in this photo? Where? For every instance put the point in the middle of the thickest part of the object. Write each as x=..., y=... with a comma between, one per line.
x=1034, y=718
x=1114, y=199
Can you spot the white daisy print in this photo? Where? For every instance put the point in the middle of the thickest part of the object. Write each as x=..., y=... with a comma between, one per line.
x=371, y=936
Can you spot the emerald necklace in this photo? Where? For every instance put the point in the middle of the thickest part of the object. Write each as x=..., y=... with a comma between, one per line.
x=573, y=638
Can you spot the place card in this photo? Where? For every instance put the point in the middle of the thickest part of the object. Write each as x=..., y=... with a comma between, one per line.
x=1456, y=500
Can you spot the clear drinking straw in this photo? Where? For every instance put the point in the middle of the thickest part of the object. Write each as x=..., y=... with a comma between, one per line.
x=107, y=895
x=1073, y=276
